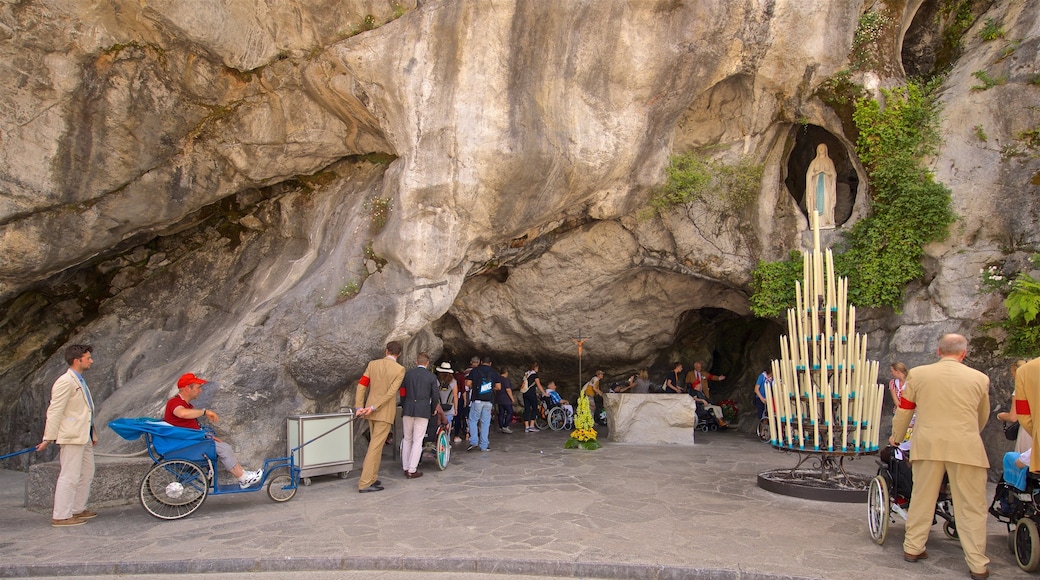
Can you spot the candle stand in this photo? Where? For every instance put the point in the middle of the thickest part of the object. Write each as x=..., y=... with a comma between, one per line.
x=824, y=403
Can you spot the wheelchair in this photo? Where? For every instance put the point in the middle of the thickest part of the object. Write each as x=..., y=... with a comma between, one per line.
x=552, y=416
x=1020, y=511
x=706, y=420
x=183, y=473
x=437, y=444
x=889, y=496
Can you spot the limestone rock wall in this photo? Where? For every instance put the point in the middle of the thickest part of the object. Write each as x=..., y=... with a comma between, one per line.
x=264, y=192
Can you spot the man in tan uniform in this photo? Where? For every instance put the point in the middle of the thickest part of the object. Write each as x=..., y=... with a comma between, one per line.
x=376, y=399
x=952, y=405
x=1027, y=404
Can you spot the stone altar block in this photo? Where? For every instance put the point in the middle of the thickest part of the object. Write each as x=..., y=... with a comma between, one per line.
x=651, y=419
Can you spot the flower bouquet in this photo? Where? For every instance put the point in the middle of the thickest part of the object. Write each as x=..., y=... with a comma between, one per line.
x=584, y=434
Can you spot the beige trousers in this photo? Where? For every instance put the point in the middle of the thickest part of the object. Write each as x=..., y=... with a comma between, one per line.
x=73, y=486
x=968, y=487
x=370, y=471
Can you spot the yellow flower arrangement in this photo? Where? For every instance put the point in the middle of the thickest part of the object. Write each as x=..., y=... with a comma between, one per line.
x=584, y=434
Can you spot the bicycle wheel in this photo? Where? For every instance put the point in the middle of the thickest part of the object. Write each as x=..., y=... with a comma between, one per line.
x=443, y=448
x=280, y=486
x=557, y=418
x=173, y=489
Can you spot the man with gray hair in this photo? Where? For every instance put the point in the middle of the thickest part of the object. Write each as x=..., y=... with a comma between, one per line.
x=951, y=401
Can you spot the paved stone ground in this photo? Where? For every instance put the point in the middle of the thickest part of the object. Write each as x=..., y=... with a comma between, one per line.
x=527, y=507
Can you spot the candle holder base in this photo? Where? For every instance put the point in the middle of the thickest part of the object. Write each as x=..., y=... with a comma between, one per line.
x=824, y=480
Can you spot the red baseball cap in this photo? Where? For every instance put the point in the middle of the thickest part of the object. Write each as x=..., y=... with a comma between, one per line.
x=189, y=379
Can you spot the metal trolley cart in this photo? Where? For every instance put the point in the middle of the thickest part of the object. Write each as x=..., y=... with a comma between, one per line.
x=318, y=444
x=184, y=473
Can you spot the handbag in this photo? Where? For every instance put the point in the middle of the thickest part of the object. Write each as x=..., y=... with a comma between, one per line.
x=1011, y=431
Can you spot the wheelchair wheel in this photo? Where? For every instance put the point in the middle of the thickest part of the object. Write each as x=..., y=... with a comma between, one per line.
x=173, y=489
x=541, y=422
x=1027, y=545
x=878, y=507
x=763, y=429
x=557, y=418
x=443, y=448
x=280, y=486
x=950, y=529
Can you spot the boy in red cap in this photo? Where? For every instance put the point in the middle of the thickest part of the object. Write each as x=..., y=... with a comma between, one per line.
x=180, y=413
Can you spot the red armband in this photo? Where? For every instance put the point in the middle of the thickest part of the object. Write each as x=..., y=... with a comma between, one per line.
x=905, y=404
x=1022, y=407
x=364, y=381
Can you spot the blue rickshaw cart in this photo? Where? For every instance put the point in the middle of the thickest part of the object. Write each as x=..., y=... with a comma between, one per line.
x=183, y=474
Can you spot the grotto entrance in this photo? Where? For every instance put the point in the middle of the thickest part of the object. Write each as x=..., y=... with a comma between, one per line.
x=803, y=151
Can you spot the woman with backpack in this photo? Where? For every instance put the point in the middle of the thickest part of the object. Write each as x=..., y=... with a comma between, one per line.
x=531, y=388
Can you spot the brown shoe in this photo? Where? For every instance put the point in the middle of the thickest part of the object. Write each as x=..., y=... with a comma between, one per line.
x=414, y=475
x=85, y=515
x=73, y=521
x=979, y=575
x=915, y=557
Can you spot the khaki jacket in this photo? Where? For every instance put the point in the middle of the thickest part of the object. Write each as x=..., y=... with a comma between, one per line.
x=952, y=406
x=1027, y=404
x=384, y=378
x=68, y=415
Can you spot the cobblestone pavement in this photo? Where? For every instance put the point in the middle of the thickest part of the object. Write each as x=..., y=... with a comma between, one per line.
x=526, y=507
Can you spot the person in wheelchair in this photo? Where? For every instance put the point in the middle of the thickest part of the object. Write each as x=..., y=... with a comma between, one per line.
x=714, y=411
x=181, y=413
x=1015, y=481
x=556, y=400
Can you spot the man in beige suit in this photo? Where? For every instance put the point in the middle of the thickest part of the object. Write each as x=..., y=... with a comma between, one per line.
x=376, y=399
x=1027, y=405
x=952, y=405
x=70, y=422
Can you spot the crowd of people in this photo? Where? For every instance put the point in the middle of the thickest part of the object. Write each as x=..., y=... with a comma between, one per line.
x=945, y=406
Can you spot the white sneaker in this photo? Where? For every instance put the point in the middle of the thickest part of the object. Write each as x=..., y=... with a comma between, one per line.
x=250, y=478
x=506, y=430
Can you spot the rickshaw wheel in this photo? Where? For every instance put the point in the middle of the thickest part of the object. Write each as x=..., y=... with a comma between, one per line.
x=1027, y=545
x=878, y=506
x=950, y=529
x=557, y=417
x=280, y=487
x=173, y=489
x=443, y=448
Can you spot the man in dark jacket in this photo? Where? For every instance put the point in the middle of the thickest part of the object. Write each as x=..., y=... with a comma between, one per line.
x=420, y=398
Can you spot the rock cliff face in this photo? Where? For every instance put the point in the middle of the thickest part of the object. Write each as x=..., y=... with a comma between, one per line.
x=264, y=193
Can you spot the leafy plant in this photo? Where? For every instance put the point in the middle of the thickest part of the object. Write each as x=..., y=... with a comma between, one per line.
x=866, y=43
x=909, y=208
x=379, y=210
x=1022, y=324
x=1035, y=80
x=991, y=30
x=988, y=82
x=349, y=290
x=994, y=280
x=958, y=18
x=695, y=177
x=772, y=284
x=980, y=133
